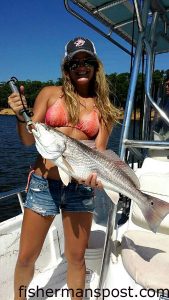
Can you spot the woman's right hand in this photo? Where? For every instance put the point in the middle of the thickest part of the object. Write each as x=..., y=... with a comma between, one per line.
x=15, y=103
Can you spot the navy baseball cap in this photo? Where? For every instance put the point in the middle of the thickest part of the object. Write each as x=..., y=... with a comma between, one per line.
x=79, y=44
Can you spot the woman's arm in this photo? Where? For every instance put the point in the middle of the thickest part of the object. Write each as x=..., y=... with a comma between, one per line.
x=39, y=111
x=103, y=136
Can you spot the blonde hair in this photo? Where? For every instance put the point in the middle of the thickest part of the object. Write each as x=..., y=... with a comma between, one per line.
x=108, y=112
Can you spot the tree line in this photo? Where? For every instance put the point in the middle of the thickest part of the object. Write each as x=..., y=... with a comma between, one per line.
x=119, y=84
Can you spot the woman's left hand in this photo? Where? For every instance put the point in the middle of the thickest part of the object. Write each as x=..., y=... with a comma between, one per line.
x=92, y=181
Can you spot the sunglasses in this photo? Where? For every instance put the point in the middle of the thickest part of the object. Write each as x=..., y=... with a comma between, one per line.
x=87, y=63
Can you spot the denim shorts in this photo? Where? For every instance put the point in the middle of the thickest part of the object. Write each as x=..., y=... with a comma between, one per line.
x=47, y=196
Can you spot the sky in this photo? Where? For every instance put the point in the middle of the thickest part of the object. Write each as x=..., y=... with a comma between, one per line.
x=33, y=34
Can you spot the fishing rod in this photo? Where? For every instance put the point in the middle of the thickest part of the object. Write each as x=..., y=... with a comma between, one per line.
x=25, y=112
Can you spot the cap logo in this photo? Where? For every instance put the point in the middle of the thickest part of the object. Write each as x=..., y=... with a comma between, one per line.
x=79, y=43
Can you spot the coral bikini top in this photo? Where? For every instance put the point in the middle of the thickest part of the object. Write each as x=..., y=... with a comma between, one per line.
x=57, y=116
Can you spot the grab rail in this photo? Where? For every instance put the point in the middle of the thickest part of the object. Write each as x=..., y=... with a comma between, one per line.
x=148, y=83
x=158, y=145
x=91, y=25
x=18, y=192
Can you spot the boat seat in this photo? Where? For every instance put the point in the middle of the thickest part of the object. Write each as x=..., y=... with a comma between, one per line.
x=148, y=252
x=145, y=256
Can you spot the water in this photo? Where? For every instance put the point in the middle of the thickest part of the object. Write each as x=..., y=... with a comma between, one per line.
x=16, y=159
x=15, y=162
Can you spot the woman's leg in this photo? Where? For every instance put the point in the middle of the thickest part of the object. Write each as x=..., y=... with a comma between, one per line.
x=77, y=226
x=34, y=230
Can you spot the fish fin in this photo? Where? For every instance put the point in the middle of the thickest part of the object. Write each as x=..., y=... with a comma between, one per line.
x=155, y=213
x=119, y=163
x=64, y=170
x=64, y=177
x=114, y=196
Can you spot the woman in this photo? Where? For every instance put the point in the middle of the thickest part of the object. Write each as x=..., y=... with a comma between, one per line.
x=80, y=109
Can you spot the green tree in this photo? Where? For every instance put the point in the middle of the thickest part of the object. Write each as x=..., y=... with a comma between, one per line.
x=119, y=84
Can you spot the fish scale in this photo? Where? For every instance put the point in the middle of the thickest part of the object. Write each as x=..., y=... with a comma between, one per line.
x=90, y=165
x=75, y=159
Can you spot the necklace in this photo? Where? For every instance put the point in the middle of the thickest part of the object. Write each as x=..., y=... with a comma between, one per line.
x=85, y=106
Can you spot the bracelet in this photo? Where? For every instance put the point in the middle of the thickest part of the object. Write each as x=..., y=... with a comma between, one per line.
x=20, y=121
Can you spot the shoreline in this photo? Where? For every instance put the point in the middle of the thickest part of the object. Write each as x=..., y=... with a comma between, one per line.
x=6, y=111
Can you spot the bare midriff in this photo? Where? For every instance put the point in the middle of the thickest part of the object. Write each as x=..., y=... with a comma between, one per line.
x=45, y=167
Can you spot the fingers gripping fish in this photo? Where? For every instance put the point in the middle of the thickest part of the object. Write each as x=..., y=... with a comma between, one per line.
x=75, y=159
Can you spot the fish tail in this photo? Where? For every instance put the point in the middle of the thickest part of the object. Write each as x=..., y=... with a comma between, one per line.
x=156, y=212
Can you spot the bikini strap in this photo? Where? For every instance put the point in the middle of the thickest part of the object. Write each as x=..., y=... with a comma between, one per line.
x=29, y=178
